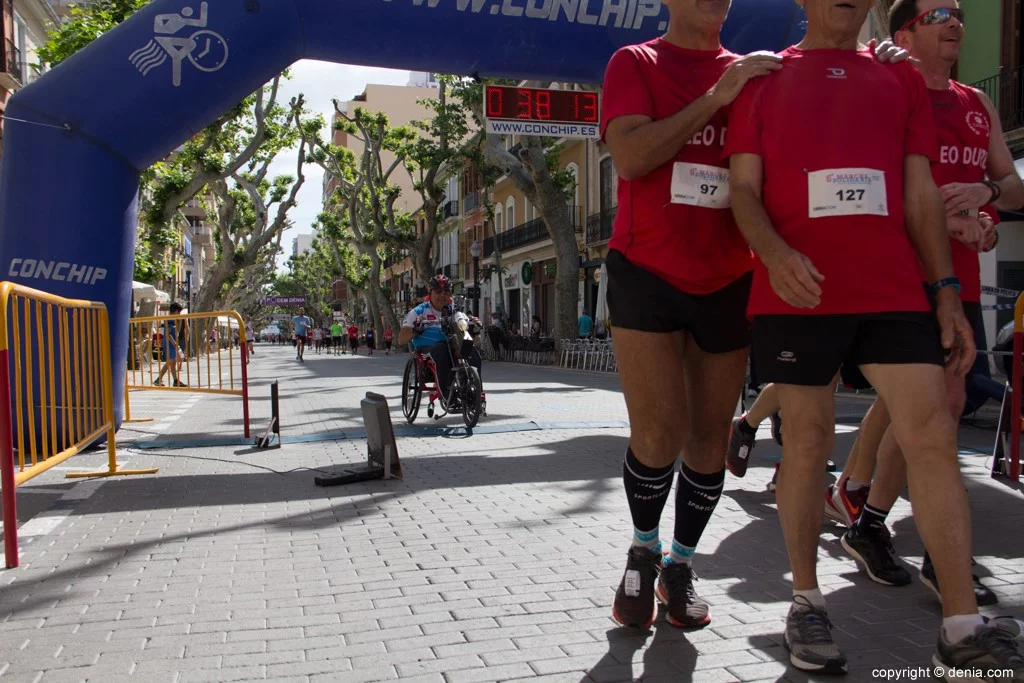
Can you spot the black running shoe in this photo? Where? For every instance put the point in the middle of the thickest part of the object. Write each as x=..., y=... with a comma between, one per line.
x=741, y=445
x=685, y=608
x=872, y=547
x=989, y=650
x=982, y=593
x=634, y=601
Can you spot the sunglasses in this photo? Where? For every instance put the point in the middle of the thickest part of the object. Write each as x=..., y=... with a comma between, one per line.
x=934, y=17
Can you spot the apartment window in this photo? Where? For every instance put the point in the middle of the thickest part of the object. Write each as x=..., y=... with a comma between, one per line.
x=609, y=198
x=510, y=213
x=499, y=218
x=20, y=32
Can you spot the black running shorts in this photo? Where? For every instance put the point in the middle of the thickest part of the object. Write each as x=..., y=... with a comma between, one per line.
x=853, y=378
x=640, y=300
x=808, y=350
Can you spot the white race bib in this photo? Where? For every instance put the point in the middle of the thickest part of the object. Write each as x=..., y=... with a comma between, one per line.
x=847, y=192
x=700, y=185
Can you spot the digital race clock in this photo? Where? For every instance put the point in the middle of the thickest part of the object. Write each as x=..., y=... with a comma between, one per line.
x=538, y=111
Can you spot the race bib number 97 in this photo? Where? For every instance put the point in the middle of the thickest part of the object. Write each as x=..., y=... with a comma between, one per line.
x=700, y=185
x=847, y=192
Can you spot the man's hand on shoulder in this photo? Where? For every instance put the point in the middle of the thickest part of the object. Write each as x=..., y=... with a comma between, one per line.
x=754, y=65
x=886, y=52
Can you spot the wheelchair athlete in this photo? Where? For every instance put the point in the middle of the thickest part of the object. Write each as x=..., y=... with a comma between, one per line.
x=423, y=327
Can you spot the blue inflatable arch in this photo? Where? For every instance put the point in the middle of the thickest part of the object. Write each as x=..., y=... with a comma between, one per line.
x=68, y=187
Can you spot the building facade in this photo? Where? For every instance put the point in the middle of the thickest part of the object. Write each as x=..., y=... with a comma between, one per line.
x=26, y=24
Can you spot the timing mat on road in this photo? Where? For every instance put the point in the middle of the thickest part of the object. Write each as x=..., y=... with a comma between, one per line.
x=402, y=430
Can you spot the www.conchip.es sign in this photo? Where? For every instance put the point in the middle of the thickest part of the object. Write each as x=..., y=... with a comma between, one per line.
x=284, y=301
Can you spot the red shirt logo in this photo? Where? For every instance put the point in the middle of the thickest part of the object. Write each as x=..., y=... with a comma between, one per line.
x=978, y=123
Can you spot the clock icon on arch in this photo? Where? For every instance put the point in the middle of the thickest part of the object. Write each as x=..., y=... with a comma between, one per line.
x=210, y=53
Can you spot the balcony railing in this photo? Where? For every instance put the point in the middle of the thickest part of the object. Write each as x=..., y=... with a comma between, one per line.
x=471, y=201
x=451, y=271
x=13, y=66
x=450, y=208
x=528, y=233
x=599, y=225
x=1006, y=90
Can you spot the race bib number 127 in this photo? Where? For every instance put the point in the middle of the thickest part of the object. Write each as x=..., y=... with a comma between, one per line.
x=847, y=192
x=700, y=185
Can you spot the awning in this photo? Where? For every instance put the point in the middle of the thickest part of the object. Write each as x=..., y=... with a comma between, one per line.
x=141, y=291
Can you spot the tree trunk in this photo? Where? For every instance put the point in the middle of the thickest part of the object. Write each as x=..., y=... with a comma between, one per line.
x=422, y=260
x=384, y=313
x=553, y=208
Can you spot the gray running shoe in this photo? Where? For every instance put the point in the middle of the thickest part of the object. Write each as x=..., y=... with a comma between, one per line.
x=808, y=638
x=991, y=651
x=1011, y=626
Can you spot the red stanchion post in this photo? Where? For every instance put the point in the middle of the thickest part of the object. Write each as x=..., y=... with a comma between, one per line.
x=1015, y=382
x=7, y=464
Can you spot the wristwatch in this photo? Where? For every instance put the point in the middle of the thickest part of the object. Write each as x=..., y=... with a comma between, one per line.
x=997, y=191
x=946, y=282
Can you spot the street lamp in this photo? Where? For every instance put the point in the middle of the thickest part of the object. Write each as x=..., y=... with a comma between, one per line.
x=189, y=264
x=474, y=251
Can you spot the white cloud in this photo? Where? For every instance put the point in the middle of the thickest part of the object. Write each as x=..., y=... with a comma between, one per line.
x=320, y=82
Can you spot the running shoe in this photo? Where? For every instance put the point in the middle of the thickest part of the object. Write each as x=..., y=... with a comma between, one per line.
x=991, y=651
x=982, y=593
x=842, y=506
x=1013, y=627
x=808, y=637
x=634, y=600
x=741, y=445
x=685, y=608
x=871, y=547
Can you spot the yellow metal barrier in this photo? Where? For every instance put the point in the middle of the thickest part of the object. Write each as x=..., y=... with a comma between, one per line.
x=193, y=352
x=58, y=351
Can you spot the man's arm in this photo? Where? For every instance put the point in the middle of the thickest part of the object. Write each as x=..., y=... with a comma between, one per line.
x=926, y=218
x=1000, y=170
x=926, y=224
x=794, y=278
x=639, y=145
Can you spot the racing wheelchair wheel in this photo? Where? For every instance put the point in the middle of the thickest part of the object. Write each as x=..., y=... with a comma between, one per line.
x=412, y=390
x=472, y=391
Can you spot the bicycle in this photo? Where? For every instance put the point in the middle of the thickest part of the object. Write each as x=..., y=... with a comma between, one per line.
x=466, y=390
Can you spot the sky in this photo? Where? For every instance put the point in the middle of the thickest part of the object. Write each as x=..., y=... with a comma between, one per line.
x=320, y=82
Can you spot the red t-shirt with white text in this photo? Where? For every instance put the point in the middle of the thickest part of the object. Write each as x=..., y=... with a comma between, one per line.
x=695, y=247
x=833, y=128
x=963, y=126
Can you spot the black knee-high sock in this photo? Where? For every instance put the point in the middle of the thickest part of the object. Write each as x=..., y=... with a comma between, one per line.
x=647, y=489
x=696, y=498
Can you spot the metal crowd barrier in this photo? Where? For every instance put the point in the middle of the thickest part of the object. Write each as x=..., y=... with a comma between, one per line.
x=519, y=350
x=202, y=355
x=56, y=391
x=588, y=354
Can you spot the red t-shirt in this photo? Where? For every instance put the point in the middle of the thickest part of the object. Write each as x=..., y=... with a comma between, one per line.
x=353, y=332
x=963, y=126
x=827, y=126
x=696, y=248
x=388, y=334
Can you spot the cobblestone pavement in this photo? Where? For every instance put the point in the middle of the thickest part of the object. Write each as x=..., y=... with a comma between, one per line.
x=494, y=559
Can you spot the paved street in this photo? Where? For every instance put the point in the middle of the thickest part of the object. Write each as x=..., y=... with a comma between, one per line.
x=494, y=559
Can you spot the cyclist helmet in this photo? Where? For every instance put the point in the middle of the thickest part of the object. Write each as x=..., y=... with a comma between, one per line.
x=440, y=283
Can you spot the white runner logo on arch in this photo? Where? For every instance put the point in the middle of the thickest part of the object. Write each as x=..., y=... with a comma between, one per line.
x=207, y=50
